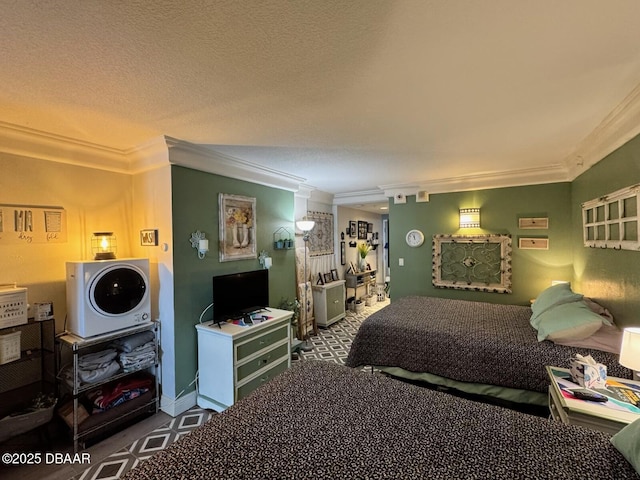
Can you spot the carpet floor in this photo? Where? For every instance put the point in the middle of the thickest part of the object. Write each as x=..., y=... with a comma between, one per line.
x=330, y=344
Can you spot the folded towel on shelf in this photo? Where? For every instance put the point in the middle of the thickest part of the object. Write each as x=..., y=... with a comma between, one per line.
x=97, y=359
x=128, y=344
x=98, y=374
x=140, y=356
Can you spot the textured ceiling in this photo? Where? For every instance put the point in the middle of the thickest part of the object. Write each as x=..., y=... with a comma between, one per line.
x=349, y=95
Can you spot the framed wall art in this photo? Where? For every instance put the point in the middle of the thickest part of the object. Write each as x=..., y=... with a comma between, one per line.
x=321, y=236
x=362, y=230
x=353, y=231
x=237, y=227
x=472, y=262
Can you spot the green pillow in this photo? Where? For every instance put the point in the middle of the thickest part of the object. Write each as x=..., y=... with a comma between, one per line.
x=569, y=321
x=549, y=298
x=627, y=442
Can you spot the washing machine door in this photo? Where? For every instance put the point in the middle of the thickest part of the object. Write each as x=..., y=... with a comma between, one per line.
x=118, y=289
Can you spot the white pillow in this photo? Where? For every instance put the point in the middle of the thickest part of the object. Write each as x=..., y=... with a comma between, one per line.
x=607, y=339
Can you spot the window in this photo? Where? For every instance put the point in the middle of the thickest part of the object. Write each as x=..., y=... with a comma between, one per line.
x=612, y=221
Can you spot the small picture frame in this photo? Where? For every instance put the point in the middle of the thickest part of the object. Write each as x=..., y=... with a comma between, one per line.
x=327, y=278
x=362, y=230
x=369, y=227
x=334, y=274
x=149, y=238
x=353, y=232
x=320, y=280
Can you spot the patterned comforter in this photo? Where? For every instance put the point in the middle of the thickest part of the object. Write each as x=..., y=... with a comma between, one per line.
x=465, y=341
x=321, y=420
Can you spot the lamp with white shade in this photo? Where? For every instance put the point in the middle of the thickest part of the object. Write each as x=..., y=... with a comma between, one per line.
x=630, y=350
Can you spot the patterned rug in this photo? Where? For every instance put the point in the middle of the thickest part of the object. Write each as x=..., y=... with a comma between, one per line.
x=330, y=344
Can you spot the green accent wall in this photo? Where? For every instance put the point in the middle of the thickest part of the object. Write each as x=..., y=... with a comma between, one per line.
x=533, y=270
x=195, y=207
x=609, y=276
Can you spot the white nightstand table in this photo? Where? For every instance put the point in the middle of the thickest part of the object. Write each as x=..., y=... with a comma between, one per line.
x=608, y=417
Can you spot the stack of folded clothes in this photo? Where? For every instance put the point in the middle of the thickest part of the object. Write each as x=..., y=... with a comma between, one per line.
x=137, y=351
x=94, y=367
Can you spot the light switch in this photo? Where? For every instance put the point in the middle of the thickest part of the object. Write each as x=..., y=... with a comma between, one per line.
x=401, y=262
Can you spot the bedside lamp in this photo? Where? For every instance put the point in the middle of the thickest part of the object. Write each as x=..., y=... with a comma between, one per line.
x=630, y=350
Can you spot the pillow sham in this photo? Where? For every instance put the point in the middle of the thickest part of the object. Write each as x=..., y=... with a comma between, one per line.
x=595, y=307
x=554, y=295
x=627, y=442
x=608, y=338
x=569, y=321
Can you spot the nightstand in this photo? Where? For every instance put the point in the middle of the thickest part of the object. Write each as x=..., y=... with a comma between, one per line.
x=608, y=417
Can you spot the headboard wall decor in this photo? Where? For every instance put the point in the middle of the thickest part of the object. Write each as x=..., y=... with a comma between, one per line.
x=472, y=262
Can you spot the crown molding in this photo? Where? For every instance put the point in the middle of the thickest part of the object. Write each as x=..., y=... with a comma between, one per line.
x=365, y=196
x=617, y=128
x=205, y=159
x=157, y=152
x=29, y=142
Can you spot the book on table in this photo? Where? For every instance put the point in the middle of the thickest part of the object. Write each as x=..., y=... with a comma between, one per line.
x=623, y=395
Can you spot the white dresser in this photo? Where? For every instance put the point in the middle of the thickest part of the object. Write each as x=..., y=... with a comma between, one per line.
x=234, y=360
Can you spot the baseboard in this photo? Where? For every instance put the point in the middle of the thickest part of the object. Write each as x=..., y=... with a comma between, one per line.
x=175, y=407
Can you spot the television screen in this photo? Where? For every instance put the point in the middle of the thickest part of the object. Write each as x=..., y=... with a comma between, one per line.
x=239, y=293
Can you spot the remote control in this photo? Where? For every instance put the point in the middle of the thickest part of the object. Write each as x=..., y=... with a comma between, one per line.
x=584, y=394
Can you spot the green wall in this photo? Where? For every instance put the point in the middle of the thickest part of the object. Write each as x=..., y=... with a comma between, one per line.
x=195, y=207
x=610, y=276
x=533, y=270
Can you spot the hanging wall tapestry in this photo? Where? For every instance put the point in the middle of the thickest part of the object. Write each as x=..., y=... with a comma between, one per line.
x=472, y=262
x=321, y=236
x=237, y=227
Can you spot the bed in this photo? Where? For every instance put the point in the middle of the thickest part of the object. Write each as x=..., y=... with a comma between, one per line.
x=475, y=347
x=324, y=420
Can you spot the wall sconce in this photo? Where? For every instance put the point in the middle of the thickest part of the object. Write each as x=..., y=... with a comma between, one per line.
x=630, y=350
x=103, y=246
x=469, y=218
x=265, y=260
x=200, y=243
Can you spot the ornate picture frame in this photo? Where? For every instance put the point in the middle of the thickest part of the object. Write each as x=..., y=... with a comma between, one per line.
x=237, y=227
x=472, y=262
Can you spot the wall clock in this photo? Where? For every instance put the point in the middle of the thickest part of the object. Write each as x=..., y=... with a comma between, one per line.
x=415, y=238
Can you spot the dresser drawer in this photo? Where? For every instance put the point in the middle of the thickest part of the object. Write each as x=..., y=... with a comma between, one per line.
x=245, y=348
x=267, y=358
x=249, y=387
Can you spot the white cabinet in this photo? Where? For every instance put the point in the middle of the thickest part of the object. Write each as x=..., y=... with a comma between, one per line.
x=328, y=302
x=234, y=360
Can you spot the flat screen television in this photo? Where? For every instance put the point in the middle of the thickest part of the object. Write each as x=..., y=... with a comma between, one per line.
x=238, y=294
